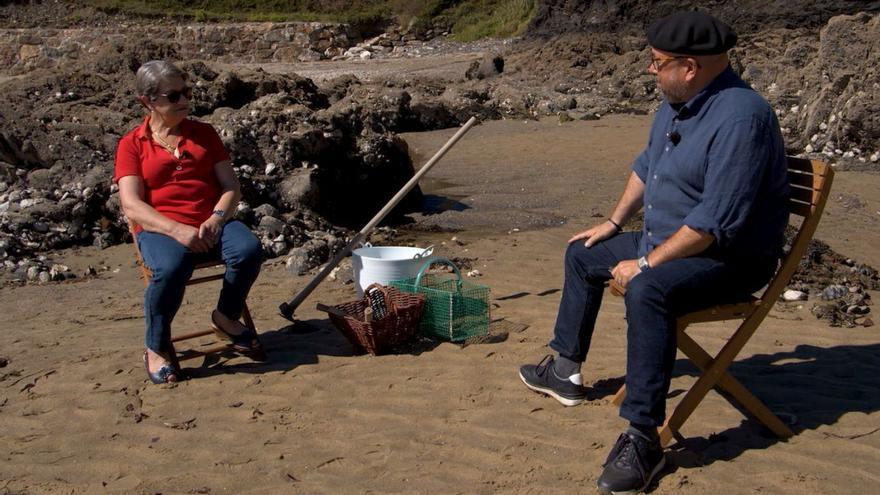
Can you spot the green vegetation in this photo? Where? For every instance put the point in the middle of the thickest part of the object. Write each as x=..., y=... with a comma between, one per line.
x=468, y=19
x=477, y=19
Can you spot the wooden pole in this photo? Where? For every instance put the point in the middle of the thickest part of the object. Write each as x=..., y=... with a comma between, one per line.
x=287, y=308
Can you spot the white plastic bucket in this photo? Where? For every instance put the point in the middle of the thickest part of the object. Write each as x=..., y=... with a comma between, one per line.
x=382, y=264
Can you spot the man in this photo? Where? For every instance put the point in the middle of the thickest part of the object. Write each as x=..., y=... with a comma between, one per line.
x=712, y=181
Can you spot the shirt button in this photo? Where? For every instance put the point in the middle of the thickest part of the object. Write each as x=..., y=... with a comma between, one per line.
x=650, y=207
x=649, y=233
x=655, y=176
x=178, y=168
x=667, y=147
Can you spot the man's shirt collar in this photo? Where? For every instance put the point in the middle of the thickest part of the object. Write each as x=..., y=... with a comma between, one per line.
x=692, y=107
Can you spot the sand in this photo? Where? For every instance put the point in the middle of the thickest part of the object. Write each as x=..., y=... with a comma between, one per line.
x=78, y=416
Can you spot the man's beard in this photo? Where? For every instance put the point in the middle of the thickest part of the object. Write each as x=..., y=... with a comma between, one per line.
x=675, y=92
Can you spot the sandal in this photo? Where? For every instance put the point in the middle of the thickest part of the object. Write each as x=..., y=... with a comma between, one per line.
x=245, y=342
x=165, y=374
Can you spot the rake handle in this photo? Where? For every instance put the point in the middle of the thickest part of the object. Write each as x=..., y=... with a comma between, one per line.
x=286, y=309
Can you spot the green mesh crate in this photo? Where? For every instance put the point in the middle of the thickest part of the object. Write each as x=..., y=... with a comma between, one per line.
x=455, y=310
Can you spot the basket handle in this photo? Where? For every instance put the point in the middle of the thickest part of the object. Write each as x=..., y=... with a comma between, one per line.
x=390, y=307
x=441, y=261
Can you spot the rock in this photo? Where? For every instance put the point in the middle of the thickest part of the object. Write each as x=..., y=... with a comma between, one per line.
x=272, y=226
x=865, y=322
x=858, y=310
x=44, y=277
x=833, y=292
x=297, y=261
x=488, y=66
x=57, y=272
x=264, y=209
x=299, y=189
x=794, y=295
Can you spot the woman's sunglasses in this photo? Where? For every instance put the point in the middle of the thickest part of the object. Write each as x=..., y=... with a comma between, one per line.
x=174, y=96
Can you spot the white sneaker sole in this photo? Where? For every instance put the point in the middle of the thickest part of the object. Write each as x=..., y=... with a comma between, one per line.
x=546, y=391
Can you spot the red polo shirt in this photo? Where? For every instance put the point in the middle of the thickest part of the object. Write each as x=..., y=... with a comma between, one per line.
x=184, y=189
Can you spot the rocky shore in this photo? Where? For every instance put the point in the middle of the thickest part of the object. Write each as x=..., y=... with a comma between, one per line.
x=317, y=159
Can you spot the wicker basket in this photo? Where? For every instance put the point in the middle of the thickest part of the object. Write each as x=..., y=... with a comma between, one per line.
x=403, y=313
x=455, y=310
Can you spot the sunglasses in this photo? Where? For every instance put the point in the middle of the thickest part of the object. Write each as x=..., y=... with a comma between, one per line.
x=174, y=96
x=659, y=62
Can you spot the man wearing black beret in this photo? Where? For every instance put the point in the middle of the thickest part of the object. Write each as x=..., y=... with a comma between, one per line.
x=713, y=185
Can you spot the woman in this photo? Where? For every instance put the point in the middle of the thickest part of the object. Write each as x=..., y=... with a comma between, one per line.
x=176, y=184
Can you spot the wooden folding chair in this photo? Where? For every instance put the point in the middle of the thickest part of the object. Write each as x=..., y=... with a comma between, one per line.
x=810, y=185
x=191, y=353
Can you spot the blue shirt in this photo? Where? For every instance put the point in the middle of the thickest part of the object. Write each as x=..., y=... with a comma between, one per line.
x=717, y=164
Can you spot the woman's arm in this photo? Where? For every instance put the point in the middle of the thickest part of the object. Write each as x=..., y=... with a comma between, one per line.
x=131, y=194
x=231, y=189
x=230, y=194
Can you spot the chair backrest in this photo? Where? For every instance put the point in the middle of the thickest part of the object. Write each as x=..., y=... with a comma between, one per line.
x=810, y=182
x=145, y=272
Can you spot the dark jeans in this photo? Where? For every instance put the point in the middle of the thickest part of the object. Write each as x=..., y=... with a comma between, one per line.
x=172, y=266
x=653, y=300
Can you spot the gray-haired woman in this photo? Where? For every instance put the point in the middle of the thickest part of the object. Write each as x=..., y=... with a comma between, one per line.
x=176, y=184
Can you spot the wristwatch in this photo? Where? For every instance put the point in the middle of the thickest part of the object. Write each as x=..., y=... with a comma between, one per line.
x=643, y=264
x=219, y=213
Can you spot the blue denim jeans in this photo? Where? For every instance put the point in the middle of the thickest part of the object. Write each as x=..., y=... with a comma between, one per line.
x=654, y=299
x=172, y=266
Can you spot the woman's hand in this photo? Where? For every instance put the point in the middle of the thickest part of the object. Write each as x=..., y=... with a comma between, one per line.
x=189, y=237
x=625, y=271
x=596, y=234
x=210, y=230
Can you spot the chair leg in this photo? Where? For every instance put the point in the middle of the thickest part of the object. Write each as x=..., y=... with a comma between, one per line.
x=734, y=388
x=246, y=316
x=711, y=376
x=172, y=354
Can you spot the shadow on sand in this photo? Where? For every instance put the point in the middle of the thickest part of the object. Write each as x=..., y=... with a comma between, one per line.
x=303, y=342
x=807, y=388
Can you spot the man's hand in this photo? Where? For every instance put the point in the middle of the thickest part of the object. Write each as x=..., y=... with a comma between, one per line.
x=210, y=230
x=625, y=271
x=596, y=234
x=189, y=237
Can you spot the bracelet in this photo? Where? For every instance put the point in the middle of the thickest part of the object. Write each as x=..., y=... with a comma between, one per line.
x=616, y=225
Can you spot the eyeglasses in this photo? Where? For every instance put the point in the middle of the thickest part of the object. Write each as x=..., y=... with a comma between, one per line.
x=174, y=96
x=659, y=62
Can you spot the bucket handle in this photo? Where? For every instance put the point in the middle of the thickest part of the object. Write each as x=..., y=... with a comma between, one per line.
x=428, y=251
x=441, y=261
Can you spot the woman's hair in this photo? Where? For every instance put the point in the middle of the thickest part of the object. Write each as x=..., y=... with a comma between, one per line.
x=152, y=74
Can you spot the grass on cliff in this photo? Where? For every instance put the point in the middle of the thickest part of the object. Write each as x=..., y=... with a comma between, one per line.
x=468, y=19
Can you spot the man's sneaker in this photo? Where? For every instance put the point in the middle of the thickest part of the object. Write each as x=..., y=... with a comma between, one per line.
x=632, y=464
x=541, y=378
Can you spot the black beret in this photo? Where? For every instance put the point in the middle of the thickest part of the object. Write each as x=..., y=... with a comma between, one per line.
x=691, y=33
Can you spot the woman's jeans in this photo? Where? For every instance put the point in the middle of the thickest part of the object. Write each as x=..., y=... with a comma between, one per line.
x=654, y=298
x=172, y=266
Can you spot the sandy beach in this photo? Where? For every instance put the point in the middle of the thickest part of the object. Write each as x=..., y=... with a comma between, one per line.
x=77, y=414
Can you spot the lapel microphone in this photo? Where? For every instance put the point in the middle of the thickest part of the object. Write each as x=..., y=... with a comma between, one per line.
x=674, y=137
